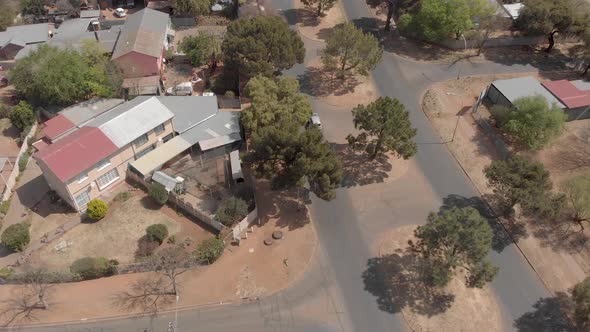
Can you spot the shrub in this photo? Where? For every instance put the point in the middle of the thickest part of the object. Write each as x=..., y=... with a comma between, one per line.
x=4, y=206
x=171, y=239
x=229, y=94
x=158, y=193
x=157, y=232
x=22, y=136
x=210, y=250
x=146, y=247
x=16, y=237
x=93, y=267
x=23, y=161
x=231, y=210
x=122, y=197
x=4, y=111
x=97, y=209
x=22, y=115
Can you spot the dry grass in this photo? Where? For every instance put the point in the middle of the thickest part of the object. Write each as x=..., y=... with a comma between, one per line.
x=114, y=237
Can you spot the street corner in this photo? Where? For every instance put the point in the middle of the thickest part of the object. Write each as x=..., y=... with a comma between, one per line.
x=314, y=27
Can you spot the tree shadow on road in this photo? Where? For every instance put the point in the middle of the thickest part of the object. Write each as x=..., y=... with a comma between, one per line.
x=359, y=170
x=501, y=238
x=398, y=281
x=549, y=315
x=320, y=82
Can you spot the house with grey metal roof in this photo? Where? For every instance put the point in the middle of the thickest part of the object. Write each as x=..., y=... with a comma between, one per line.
x=505, y=92
x=144, y=37
x=19, y=37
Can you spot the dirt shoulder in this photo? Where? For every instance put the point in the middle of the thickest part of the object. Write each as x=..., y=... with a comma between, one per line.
x=317, y=28
x=426, y=308
x=559, y=257
x=249, y=270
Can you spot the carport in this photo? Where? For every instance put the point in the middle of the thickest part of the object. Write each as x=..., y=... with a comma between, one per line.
x=154, y=159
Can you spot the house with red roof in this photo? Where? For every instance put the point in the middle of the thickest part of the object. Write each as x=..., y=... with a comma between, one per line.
x=80, y=161
x=90, y=147
x=575, y=95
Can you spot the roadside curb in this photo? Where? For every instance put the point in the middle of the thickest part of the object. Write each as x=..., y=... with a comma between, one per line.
x=495, y=216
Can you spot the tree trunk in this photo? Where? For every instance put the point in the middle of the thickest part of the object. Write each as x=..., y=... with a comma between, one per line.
x=551, y=38
x=586, y=69
x=389, y=15
x=376, y=149
x=319, y=13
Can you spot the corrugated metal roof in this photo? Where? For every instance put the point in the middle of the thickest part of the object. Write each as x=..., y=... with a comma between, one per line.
x=528, y=86
x=81, y=150
x=219, y=141
x=90, y=109
x=568, y=93
x=222, y=124
x=189, y=110
x=164, y=179
x=128, y=121
x=89, y=13
x=160, y=155
x=143, y=32
x=56, y=126
x=30, y=33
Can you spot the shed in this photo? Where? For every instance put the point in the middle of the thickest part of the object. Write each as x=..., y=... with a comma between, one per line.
x=505, y=92
x=170, y=183
x=138, y=86
x=236, y=166
x=575, y=95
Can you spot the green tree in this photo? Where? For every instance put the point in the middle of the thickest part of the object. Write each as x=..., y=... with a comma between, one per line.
x=389, y=4
x=158, y=192
x=201, y=49
x=551, y=17
x=33, y=7
x=457, y=238
x=157, y=233
x=97, y=209
x=52, y=76
x=210, y=250
x=385, y=127
x=274, y=101
x=581, y=299
x=517, y=180
x=532, y=122
x=7, y=17
x=263, y=45
x=321, y=5
x=577, y=192
x=192, y=7
x=349, y=49
x=438, y=20
x=16, y=236
x=231, y=210
x=286, y=155
x=22, y=115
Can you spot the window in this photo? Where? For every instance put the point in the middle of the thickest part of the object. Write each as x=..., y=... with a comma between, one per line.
x=141, y=140
x=144, y=151
x=102, y=164
x=82, y=177
x=167, y=137
x=108, y=178
x=82, y=199
x=159, y=129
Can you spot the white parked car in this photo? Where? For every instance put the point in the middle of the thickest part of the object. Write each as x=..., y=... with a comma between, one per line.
x=314, y=121
x=120, y=12
x=182, y=89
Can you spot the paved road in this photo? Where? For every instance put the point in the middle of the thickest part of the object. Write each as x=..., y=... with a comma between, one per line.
x=332, y=296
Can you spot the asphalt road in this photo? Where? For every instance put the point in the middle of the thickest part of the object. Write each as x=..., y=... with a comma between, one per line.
x=333, y=295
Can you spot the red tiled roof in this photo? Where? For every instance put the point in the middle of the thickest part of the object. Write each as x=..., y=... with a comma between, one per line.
x=568, y=94
x=76, y=152
x=57, y=126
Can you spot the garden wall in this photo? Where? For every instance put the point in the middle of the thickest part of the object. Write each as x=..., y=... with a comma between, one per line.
x=243, y=225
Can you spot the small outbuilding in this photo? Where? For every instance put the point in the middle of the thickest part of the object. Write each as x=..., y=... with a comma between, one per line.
x=505, y=92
